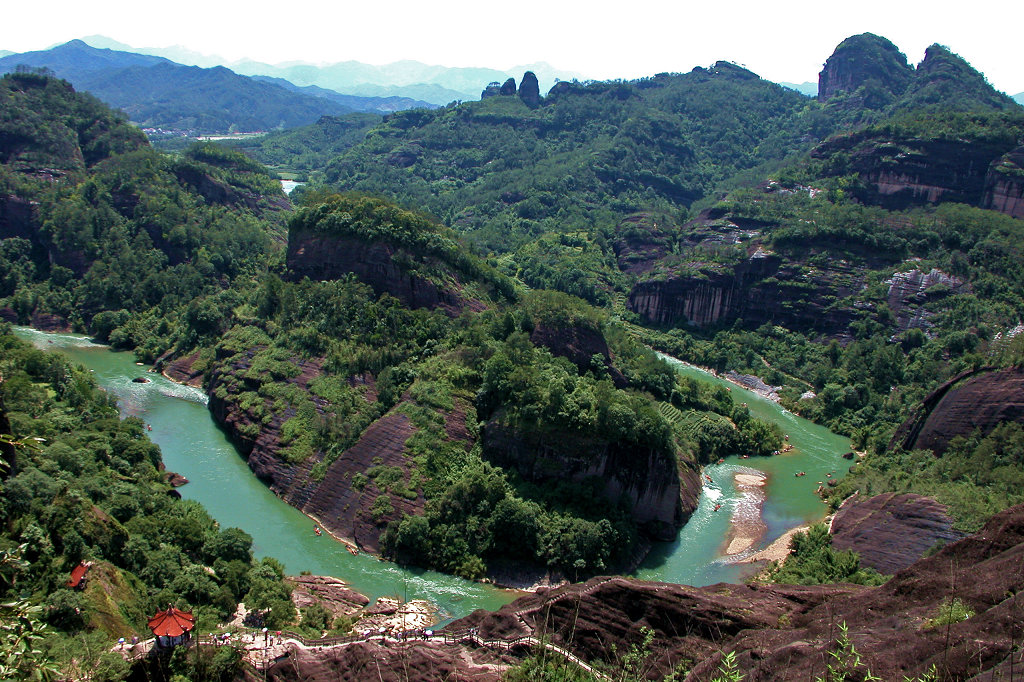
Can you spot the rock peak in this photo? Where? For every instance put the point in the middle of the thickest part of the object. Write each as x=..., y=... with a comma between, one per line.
x=529, y=90
x=865, y=60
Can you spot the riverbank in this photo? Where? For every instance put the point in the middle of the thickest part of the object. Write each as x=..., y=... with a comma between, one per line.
x=778, y=550
x=193, y=445
x=750, y=382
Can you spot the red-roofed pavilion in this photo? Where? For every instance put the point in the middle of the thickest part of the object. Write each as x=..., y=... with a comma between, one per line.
x=172, y=627
x=77, y=579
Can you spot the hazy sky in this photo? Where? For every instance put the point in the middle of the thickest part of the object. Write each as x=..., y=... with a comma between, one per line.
x=781, y=41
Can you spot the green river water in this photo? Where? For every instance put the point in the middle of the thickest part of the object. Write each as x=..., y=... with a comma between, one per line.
x=195, y=447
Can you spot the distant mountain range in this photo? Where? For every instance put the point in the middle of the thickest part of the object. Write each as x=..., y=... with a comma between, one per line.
x=806, y=88
x=436, y=84
x=1019, y=98
x=158, y=93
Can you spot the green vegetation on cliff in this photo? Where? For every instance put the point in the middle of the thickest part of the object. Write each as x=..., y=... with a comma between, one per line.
x=504, y=173
x=112, y=237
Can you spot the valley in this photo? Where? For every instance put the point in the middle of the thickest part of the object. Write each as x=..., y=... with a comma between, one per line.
x=510, y=342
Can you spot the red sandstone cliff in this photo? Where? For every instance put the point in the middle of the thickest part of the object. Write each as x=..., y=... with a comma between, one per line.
x=973, y=400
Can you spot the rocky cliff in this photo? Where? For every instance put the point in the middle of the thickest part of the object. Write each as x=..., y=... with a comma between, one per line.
x=580, y=345
x=341, y=497
x=777, y=632
x=529, y=90
x=379, y=264
x=761, y=288
x=898, y=172
x=977, y=400
x=910, y=291
x=344, y=505
x=868, y=63
x=891, y=531
x=661, y=492
x=785, y=632
x=17, y=218
x=1004, y=184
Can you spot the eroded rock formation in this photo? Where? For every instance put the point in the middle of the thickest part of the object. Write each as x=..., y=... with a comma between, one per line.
x=333, y=594
x=971, y=401
x=581, y=345
x=898, y=173
x=891, y=531
x=864, y=60
x=777, y=632
x=762, y=288
x=529, y=90
x=785, y=632
x=1004, y=184
x=909, y=291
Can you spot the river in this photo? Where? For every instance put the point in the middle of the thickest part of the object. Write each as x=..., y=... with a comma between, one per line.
x=695, y=557
x=195, y=447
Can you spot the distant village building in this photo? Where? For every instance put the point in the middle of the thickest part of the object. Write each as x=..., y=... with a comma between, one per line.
x=171, y=627
x=78, y=576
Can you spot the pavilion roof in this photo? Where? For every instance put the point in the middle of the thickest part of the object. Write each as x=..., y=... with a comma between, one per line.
x=171, y=623
x=78, y=574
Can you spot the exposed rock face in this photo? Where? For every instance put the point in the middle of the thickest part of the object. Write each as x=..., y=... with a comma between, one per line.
x=580, y=345
x=182, y=370
x=650, y=480
x=371, y=661
x=493, y=89
x=260, y=451
x=784, y=632
x=321, y=257
x=213, y=190
x=910, y=291
x=50, y=323
x=176, y=480
x=1004, y=184
x=17, y=218
x=640, y=242
x=861, y=60
x=899, y=173
x=508, y=88
x=344, y=508
x=340, y=504
x=974, y=400
x=759, y=289
x=331, y=593
x=890, y=531
x=529, y=90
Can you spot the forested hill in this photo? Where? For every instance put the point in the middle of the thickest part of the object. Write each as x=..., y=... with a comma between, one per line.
x=98, y=228
x=503, y=171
